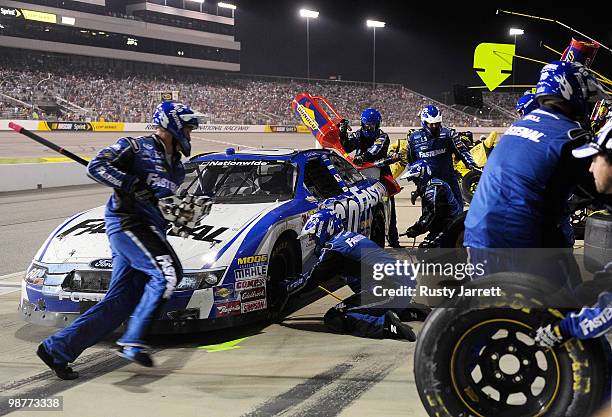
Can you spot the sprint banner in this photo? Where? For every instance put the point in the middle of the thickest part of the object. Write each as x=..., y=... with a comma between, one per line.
x=82, y=126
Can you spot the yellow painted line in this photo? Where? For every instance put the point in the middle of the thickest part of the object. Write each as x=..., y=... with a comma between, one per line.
x=232, y=344
x=5, y=161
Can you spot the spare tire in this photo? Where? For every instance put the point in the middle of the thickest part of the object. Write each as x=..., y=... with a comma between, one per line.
x=597, y=241
x=469, y=183
x=475, y=357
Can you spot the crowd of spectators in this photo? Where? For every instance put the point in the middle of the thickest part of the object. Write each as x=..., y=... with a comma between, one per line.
x=120, y=95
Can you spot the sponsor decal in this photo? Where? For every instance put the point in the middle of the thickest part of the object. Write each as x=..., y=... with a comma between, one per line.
x=254, y=306
x=252, y=267
x=71, y=126
x=107, y=126
x=308, y=117
x=211, y=128
x=91, y=226
x=250, y=283
x=524, y=132
x=224, y=293
x=227, y=309
x=234, y=163
x=39, y=16
x=10, y=12
x=283, y=128
x=204, y=233
x=254, y=294
x=102, y=264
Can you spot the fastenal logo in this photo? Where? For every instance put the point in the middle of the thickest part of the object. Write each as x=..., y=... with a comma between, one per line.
x=308, y=117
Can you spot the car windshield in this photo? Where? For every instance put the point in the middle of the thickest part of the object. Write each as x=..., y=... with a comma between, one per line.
x=243, y=181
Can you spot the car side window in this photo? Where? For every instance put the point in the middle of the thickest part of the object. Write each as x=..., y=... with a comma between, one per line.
x=319, y=181
x=347, y=172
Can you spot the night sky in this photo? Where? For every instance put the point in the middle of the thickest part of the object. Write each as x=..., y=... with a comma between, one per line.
x=427, y=46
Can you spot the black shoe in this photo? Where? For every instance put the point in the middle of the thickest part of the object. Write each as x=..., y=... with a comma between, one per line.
x=395, y=329
x=136, y=354
x=63, y=371
x=414, y=313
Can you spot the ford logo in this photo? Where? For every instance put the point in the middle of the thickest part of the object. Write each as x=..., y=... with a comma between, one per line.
x=102, y=264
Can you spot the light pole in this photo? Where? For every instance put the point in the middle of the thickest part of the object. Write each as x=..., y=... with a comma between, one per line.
x=515, y=32
x=374, y=24
x=308, y=14
x=226, y=6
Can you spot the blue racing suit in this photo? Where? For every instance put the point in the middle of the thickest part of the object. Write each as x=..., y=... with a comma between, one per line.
x=145, y=268
x=368, y=149
x=353, y=257
x=438, y=152
x=521, y=199
x=439, y=209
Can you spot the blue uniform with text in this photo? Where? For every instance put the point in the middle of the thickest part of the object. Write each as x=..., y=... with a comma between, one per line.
x=438, y=152
x=145, y=268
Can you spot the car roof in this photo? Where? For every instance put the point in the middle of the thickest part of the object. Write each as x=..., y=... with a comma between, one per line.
x=275, y=154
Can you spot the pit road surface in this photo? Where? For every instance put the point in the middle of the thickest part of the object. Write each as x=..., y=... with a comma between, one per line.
x=291, y=368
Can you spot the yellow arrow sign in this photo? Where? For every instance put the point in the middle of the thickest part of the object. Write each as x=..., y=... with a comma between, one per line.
x=232, y=344
x=493, y=63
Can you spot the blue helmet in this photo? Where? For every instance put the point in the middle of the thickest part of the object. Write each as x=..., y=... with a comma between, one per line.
x=419, y=172
x=526, y=104
x=174, y=117
x=370, y=121
x=430, y=114
x=570, y=82
x=322, y=226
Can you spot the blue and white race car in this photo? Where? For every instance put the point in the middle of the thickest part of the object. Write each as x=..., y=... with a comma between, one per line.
x=236, y=254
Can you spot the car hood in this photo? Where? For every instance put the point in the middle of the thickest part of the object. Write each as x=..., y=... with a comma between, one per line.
x=82, y=239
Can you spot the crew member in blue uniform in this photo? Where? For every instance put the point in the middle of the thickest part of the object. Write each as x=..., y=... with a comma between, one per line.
x=436, y=145
x=146, y=270
x=439, y=206
x=353, y=256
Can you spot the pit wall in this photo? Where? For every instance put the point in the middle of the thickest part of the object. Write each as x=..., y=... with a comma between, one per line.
x=31, y=176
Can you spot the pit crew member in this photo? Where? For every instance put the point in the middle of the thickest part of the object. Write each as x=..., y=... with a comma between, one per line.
x=521, y=199
x=439, y=206
x=590, y=322
x=436, y=145
x=145, y=268
x=352, y=256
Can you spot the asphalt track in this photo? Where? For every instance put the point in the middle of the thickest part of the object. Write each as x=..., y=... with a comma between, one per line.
x=291, y=368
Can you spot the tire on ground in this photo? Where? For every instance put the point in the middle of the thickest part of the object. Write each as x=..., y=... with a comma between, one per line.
x=597, y=241
x=285, y=262
x=453, y=235
x=377, y=230
x=469, y=183
x=459, y=354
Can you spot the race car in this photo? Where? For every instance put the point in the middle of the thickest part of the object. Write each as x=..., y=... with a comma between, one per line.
x=235, y=256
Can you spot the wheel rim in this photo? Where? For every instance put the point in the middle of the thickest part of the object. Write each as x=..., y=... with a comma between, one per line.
x=496, y=368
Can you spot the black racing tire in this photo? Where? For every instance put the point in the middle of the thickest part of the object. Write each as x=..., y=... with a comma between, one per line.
x=458, y=359
x=377, y=230
x=453, y=234
x=284, y=263
x=469, y=183
x=597, y=241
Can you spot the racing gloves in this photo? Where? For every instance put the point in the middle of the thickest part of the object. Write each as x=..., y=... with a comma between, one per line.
x=412, y=232
x=549, y=336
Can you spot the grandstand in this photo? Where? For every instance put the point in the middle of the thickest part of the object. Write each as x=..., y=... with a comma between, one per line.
x=39, y=80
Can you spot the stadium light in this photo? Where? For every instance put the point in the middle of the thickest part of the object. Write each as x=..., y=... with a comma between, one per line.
x=515, y=32
x=374, y=24
x=308, y=14
x=226, y=6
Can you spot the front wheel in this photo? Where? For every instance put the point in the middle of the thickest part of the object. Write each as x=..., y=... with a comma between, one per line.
x=284, y=263
x=474, y=358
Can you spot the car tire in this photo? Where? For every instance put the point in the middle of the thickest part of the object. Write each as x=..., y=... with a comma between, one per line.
x=284, y=263
x=453, y=234
x=597, y=241
x=468, y=185
x=465, y=337
x=377, y=230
